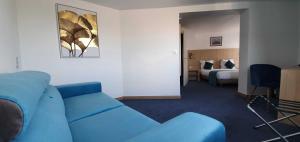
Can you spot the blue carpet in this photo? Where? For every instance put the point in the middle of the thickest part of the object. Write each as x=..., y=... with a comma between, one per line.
x=221, y=103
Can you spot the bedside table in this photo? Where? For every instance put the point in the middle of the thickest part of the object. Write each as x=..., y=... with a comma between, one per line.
x=193, y=75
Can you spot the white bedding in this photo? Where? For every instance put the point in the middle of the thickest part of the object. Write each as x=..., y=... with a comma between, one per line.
x=223, y=73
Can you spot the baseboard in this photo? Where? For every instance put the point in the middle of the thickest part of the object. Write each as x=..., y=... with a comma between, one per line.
x=242, y=94
x=149, y=98
x=245, y=96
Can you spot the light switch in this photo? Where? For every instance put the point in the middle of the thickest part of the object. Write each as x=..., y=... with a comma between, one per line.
x=175, y=51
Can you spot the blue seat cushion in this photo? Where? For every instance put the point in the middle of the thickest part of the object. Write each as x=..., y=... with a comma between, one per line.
x=49, y=123
x=188, y=127
x=79, y=107
x=116, y=125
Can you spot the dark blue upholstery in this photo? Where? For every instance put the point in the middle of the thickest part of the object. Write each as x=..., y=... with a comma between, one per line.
x=264, y=75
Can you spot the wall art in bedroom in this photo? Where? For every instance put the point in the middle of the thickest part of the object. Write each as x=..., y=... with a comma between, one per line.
x=216, y=41
x=78, y=32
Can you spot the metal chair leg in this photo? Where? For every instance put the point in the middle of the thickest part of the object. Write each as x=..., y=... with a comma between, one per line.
x=262, y=119
x=274, y=121
x=275, y=107
x=286, y=136
x=265, y=123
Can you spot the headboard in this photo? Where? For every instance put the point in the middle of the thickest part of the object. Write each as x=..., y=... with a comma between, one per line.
x=212, y=54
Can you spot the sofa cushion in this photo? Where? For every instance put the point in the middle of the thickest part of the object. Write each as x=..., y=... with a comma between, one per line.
x=49, y=123
x=116, y=125
x=20, y=93
x=79, y=107
x=188, y=127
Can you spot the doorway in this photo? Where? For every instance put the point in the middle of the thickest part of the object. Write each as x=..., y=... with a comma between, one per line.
x=181, y=58
x=210, y=36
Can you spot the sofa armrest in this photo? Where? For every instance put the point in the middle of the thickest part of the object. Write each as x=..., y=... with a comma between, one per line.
x=188, y=127
x=71, y=90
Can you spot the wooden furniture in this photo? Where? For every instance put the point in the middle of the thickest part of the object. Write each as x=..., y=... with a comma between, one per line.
x=213, y=54
x=194, y=75
x=290, y=87
x=290, y=84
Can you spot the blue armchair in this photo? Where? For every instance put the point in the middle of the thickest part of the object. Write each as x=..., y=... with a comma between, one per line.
x=264, y=75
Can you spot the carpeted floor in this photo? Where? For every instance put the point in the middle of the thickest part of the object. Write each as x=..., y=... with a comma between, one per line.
x=221, y=103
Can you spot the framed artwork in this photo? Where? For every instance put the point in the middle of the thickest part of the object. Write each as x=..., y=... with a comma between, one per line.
x=78, y=32
x=216, y=41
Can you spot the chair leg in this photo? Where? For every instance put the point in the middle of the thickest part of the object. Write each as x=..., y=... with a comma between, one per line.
x=249, y=97
x=262, y=119
x=254, y=90
x=286, y=136
x=265, y=123
x=284, y=115
x=274, y=121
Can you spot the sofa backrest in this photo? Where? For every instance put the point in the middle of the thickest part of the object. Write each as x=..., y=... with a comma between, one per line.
x=19, y=97
x=77, y=89
x=49, y=123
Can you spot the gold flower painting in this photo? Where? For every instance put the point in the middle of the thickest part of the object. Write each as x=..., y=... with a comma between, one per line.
x=78, y=32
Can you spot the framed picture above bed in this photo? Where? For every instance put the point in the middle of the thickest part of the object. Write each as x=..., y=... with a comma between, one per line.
x=216, y=41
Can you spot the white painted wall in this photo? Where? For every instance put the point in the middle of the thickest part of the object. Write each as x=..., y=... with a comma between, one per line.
x=150, y=53
x=150, y=43
x=40, y=47
x=273, y=38
x=9, y=36
x=198, y=29
x=150, y=36
x=244, y=81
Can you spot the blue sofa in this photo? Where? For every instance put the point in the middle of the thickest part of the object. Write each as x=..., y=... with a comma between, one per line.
x=31, y=110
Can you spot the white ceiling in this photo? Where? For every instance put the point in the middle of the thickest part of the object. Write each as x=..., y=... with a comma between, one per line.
x=193, y=15
x=140, y=4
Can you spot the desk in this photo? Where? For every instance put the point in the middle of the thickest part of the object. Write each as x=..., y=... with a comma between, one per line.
x=290, y=86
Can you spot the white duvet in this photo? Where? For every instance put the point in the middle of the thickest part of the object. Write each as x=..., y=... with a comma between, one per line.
x=223, y=73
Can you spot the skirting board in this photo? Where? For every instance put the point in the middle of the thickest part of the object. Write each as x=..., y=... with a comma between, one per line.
x=149, y=98
x=246, y=97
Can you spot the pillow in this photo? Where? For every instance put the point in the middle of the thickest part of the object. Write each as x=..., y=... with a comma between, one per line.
x=202, y=63
x=229, y=64
x=19, y=96
x=224, y=61
x=208, y=65
x=11, y=120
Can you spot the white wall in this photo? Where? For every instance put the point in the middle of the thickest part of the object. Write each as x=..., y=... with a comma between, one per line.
x=40, y=49
x=244, y=76
x=198, y=28
x=150, y=43
x=150, y=36
x=9, y=36
x=150, y=54
x=273, y=38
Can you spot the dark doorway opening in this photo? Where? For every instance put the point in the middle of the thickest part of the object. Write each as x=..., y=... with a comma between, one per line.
x=181, y=59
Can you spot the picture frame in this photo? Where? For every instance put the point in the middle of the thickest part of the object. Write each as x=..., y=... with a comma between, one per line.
x=216, y=41
x=77, y=32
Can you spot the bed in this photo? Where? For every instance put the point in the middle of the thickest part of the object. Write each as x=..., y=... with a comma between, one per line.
x=222, y=73
x=220, y=76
